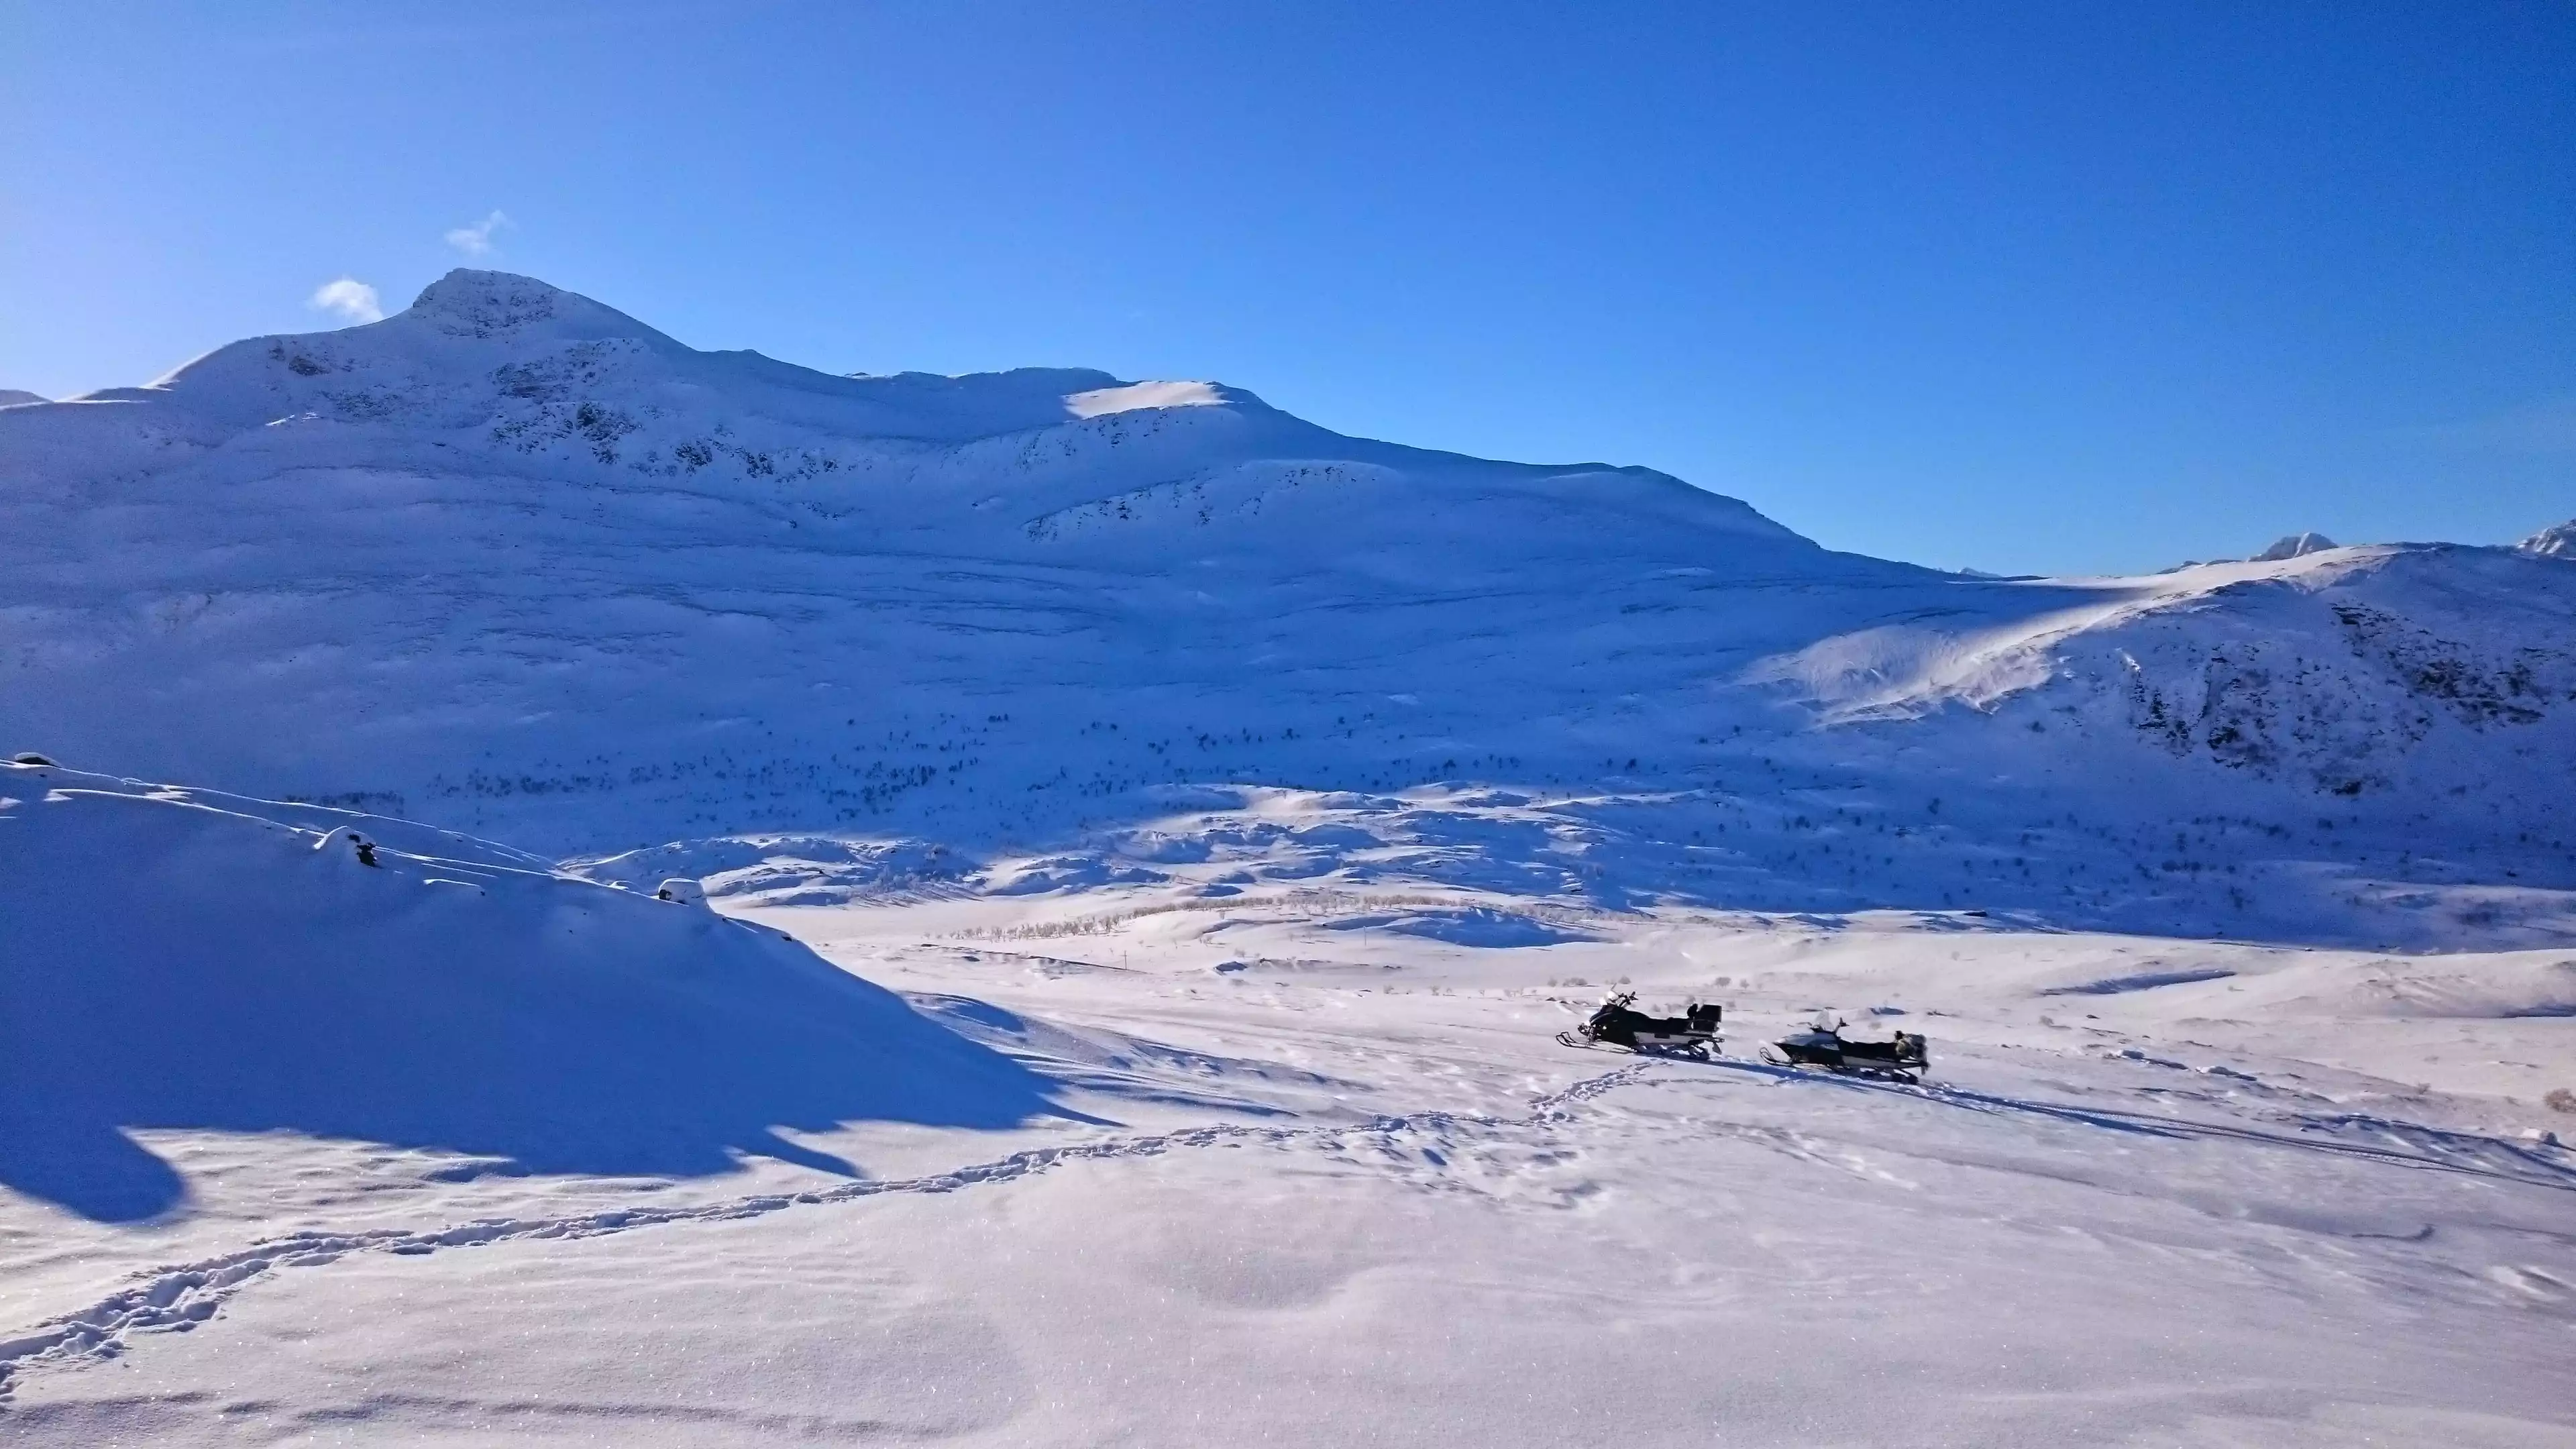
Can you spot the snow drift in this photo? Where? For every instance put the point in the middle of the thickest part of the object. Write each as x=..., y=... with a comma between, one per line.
x=187, y=959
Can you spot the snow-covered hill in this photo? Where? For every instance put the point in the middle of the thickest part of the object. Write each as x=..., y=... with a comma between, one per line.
x=185, y=959
x=517, y=562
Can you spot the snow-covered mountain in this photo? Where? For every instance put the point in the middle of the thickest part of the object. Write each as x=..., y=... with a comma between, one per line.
x=2558, y=541
x=514, y=561
x=1156, y=843
x=2297, y=545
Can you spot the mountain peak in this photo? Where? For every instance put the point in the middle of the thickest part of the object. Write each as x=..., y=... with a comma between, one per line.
x=2557, y=541
x=469, y=303
x=2296, y=545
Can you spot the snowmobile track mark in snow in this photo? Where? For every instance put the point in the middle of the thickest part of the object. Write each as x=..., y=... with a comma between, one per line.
x=180, y=1297
x=2466, y=1153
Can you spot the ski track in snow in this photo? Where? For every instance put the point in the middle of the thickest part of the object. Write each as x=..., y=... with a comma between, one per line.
x=178, y=1298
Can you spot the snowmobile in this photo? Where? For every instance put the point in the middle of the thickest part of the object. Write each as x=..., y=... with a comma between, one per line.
x=1617, y=1022
x=1905, y=1059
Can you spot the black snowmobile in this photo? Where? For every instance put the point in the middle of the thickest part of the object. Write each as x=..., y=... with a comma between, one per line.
x=1617, y=1022
x=1905, y=1059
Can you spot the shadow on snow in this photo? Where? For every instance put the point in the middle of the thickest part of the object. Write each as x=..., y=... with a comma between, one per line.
x=669, y=1043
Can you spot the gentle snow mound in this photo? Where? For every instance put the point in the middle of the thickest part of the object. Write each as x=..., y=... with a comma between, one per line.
x=174, y=964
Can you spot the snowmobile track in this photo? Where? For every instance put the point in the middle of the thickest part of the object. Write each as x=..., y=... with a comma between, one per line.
x=179, y=1297
x=2468, y=1154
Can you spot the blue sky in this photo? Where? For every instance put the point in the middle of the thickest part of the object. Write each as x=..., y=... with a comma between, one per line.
x=2017, y=287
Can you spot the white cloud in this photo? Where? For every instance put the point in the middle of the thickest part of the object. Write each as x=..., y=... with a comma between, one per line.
x=350, y=298
x=476, y=240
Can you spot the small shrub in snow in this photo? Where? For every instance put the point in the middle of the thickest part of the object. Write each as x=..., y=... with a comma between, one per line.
x=2561, y=1100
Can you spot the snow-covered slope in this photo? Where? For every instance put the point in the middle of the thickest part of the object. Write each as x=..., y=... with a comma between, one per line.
x=513, y=560
x=181, y=959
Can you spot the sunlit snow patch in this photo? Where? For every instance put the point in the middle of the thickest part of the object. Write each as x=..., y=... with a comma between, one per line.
x=1102, y=401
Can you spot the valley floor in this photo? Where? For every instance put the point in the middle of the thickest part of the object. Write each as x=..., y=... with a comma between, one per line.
x=1325, y=1177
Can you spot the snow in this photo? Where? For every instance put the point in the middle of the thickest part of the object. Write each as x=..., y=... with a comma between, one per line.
x=11, y=397
x=2297, y=545
x=250, y=973
x=1153, y=843
x=580, y=585
x=2555, y=542
x=1102, y=401
x=1172, y=1169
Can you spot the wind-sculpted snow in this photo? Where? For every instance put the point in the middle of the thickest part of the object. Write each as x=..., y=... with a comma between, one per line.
x=176, y=959
x=515, y=561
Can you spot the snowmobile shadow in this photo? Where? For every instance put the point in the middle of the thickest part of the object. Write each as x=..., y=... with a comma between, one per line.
x=2433, y=1149
x=1954, y=1097
x=645, y=1061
